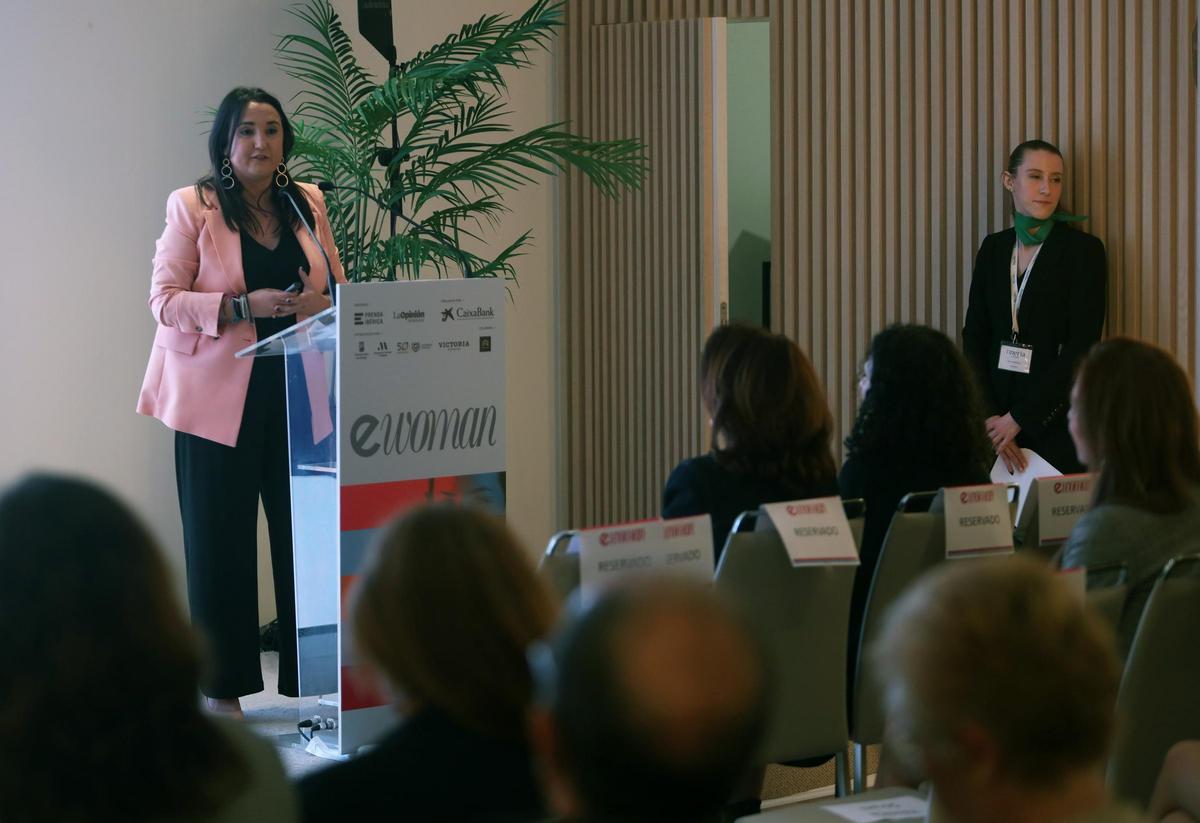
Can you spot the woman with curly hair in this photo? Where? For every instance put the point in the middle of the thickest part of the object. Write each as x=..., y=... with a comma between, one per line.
x=919, y=427
x=771, y=431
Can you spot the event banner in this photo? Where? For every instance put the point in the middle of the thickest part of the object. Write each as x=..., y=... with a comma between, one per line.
x=422, y=420
x=678, y=546
x=978, y=520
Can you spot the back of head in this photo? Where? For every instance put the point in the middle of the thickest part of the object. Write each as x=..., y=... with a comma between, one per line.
x=446, y=607
x=724, y=340
x=770, y=419
x=659, y=704
x=922, y=405
x=1135, y=408
x=999, y=649
x=88, y=624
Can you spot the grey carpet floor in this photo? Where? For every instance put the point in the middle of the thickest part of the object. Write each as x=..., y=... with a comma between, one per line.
x=270, y=714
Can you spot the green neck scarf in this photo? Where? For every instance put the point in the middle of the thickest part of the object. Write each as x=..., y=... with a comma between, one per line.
x=1032, y=231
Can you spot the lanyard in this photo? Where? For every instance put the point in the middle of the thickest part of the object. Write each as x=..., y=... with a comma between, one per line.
x=1016, y=294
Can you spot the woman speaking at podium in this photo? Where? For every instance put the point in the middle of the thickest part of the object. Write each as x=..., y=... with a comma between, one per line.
x=1037, y=303
x=235, y=264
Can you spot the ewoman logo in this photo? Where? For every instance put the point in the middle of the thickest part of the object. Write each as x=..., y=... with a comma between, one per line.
x=427, y=430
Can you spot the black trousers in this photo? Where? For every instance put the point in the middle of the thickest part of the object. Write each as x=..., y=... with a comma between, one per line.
x=219, y=490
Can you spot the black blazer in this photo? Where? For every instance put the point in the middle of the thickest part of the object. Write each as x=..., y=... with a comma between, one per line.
x=1061, y=316
x=700, y=485
x=429, y=768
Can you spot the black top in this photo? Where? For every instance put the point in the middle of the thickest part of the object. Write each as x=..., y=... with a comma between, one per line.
x=881, y=481
x=1061, y=316
x=430, y=768
x=700, y=485
x=272, y=269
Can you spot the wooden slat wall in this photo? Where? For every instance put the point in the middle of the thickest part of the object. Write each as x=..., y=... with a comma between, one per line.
x=891, y=122
x=640, y=270
x=895, y=122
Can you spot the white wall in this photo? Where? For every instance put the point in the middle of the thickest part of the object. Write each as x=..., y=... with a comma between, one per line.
x=100, y=114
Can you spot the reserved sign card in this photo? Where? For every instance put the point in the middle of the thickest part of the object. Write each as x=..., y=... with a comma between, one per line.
x=978, y=520
x=1061, y=501
x=679, y=546
x=814, y=532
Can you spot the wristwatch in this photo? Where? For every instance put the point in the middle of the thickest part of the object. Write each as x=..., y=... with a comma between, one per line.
x=240, y=305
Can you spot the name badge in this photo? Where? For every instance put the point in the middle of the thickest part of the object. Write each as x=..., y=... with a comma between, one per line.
x=1015, y=357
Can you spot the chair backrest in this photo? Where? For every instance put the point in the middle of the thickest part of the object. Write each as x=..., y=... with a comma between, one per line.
x=802, y=613
x=559, y=566
x=915, y=542
x=1159, y=700
x=1107, y=588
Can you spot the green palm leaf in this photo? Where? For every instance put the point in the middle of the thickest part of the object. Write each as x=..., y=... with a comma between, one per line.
x=457, y=156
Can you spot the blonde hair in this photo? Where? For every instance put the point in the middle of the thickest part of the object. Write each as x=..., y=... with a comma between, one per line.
x=1004, y=646
x=446, y=608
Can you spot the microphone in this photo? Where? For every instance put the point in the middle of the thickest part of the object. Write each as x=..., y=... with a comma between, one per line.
x=328, y=267
x=327, y=186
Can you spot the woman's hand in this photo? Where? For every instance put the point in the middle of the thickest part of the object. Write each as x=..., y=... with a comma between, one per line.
x=309, y=301
x=1002, y=430
x=271, y=303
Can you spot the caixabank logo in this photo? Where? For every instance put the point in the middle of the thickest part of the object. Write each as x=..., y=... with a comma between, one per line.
x=461, y=313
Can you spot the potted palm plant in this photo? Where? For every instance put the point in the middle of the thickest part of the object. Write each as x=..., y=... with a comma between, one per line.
x=455, y=155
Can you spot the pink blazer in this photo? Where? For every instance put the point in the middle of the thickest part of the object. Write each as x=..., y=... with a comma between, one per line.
x=194, y=383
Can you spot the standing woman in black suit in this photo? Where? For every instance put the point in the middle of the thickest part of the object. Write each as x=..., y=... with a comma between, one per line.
x=1036, y=305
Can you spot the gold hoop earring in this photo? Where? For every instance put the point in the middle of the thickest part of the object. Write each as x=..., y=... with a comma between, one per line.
x=228, y=181
x=281, y=177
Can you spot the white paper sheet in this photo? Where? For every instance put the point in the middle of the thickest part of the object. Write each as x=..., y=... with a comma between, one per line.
x=1036, y=466
x=877, y=811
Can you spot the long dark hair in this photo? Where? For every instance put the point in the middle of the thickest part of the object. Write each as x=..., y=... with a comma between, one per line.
x=770, y=419
x=99, y=674
x=233, y=206
x=1134, y=408
x=922, y=407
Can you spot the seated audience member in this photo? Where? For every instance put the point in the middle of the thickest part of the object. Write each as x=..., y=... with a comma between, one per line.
x=1133, y=421
x=1176, y=797
x=919, y=427
x=1000, y=687
x=101, y=672
x=444, y=611
x=650, y=706
x=771, y=431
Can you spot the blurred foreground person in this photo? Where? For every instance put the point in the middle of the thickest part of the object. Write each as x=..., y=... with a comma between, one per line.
x=1000, y=687
x=649, y=706
x=101, y=674
x=444, y=611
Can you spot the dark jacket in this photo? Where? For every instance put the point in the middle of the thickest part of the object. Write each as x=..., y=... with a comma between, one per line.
x=430, y=768
x=700, y=485
x=1061, y=316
